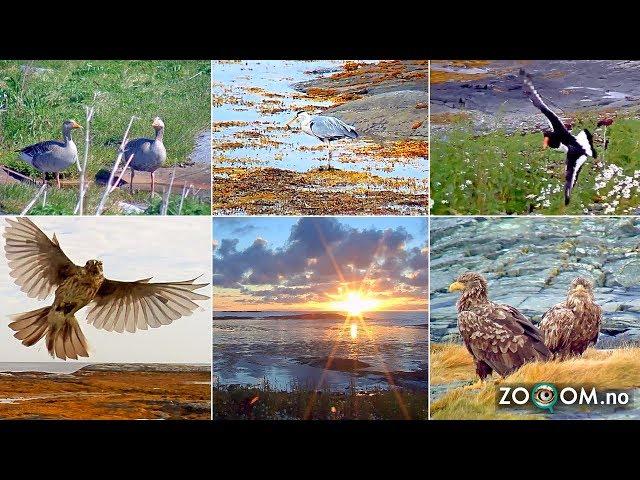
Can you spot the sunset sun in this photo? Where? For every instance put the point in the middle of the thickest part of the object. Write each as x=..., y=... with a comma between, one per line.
x=355, y=303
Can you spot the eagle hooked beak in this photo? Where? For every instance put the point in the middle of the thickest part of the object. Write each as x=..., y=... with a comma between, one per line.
x=545, y=142
x=456, y=287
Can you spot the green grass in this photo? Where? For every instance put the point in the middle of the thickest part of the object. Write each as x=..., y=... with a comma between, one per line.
x=495, y=173
x=35, y=105
x=301, y=401
x=14, y=197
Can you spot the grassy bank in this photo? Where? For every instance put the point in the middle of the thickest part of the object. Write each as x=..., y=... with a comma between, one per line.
x=39, y=95
x=511, y=174
x=605, y=369
x=264, y=402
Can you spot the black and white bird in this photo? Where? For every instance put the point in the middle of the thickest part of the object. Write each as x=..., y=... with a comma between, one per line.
x=577, y=147
x=324, y=128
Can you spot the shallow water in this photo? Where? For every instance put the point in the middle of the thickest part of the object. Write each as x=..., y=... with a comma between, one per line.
x=43, y=367
x=262, y=93
x=247, y=350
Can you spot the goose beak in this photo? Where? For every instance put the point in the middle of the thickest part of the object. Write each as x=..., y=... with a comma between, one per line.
x=456, y=287
x=75, y=124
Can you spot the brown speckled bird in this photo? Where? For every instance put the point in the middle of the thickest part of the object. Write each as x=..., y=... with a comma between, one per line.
x=39, y=266
x=570, y=327
x=498, y=337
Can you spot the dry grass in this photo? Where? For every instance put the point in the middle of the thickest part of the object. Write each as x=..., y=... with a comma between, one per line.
x=605, y=369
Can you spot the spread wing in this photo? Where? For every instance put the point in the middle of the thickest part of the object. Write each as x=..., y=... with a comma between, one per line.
x=531, y=92
x=37, y=264
x=131, y=306
x=502, y=337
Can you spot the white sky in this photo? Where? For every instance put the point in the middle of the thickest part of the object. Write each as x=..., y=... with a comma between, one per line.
x=169, y=249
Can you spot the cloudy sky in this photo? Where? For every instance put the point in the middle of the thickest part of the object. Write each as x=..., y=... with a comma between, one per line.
x=131, y=248
x=271, y=263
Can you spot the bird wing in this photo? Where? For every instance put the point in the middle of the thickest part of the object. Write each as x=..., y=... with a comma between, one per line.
x=40, y=148
x=132, y=306
x=557, y=327
x=584, y=139
x=531, y=92
x=36, y=263
x=502, y=337
x=137, y=144
x=331, y=128
x=574, y=164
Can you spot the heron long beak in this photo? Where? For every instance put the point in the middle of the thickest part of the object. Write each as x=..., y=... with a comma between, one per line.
x=288, y=124
x=545, y=142
x=75, y=124
x=456, y=287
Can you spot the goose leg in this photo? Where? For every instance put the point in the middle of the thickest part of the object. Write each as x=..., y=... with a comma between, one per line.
x=329, y=144
x=153, y=183
x=58, y=180
x=131, y=181
x=44, y=178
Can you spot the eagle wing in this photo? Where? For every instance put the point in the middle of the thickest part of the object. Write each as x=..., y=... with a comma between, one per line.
x=560, y=327
x=36, y=263
x=502, y=337
x=131, y=306
x=557, y=327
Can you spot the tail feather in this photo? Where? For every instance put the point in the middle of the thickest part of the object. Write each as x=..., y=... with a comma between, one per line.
x=64, y=339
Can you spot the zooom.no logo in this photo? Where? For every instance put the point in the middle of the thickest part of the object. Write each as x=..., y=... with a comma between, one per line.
x=545, y=396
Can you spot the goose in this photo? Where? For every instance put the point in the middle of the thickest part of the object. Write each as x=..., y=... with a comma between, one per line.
x=324, y=128
x=148, y=155
x=576, y=147
x=52, y=155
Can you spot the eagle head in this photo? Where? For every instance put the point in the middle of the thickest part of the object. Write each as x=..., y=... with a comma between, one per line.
x=469, y=281
x=581, y=287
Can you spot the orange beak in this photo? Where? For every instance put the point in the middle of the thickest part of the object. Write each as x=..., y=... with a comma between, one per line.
x=75, y=124
x=545, y=142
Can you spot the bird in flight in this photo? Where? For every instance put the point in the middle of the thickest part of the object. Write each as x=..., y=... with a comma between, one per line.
x=39, y=266
x=576, y=147
x=324, y=128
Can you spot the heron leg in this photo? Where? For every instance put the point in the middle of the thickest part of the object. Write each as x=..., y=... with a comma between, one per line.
x=58, y=180
x=131, y=181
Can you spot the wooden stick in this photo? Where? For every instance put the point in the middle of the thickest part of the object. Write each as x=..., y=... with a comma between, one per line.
x=83, y=167
x=35, y=199
x=165, y=200
x=124, y=169
x=107, y=189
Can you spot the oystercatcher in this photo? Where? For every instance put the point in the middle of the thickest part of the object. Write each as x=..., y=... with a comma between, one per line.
x=577, y=147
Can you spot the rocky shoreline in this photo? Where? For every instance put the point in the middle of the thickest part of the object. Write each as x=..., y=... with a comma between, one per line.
x=491, y=96
x=529, y=263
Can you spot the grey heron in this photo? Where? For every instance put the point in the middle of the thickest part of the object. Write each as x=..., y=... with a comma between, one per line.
x=53, y=155
x=324, y=128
